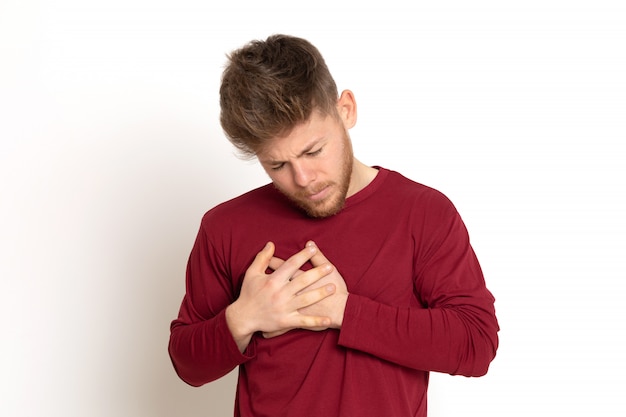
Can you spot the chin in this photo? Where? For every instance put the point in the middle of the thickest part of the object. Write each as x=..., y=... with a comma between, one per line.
x=330, y=206
x=323, y=210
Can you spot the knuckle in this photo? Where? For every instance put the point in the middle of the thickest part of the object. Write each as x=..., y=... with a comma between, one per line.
x=311, y=297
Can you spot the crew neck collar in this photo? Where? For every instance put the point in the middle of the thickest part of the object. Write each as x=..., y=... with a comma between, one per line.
x=369, y=189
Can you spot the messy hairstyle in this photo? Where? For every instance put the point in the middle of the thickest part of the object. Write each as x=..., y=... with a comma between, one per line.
x=268, y=87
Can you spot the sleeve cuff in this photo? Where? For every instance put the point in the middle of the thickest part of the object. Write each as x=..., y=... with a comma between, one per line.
x=232, y=349
x=352, y=317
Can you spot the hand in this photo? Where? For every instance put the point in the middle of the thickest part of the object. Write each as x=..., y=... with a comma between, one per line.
x=272, y=303
x=332, y=306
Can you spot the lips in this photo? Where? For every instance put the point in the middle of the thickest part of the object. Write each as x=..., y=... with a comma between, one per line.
x=318, y=194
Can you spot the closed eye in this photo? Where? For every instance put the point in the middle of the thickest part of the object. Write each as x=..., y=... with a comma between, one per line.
x=314, y=153
x=277, y=166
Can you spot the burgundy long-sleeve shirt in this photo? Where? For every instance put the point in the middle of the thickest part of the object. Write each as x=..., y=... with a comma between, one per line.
x=418, y=303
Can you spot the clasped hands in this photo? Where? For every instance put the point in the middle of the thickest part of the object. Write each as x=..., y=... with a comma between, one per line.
x=288, y=297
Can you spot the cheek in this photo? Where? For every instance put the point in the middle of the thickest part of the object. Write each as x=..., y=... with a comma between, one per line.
x=283, y=180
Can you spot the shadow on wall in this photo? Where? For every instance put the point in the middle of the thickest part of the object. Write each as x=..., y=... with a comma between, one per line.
x=101, y=222
x=164, y=205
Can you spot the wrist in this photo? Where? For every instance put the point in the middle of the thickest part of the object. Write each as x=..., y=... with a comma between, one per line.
x=238, y=326
x=337, y=319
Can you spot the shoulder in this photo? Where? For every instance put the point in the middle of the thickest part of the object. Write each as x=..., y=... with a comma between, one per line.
x=413, y=192
x=243, y=205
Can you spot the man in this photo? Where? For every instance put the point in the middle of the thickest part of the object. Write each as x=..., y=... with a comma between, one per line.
x=338, y=287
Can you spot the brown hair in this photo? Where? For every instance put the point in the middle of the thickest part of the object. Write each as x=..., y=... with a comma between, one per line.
x=268, y=87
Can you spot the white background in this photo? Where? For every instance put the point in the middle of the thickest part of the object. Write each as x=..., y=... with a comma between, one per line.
x=111, y=151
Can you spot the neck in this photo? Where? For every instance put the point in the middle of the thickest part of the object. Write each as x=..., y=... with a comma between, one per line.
x=361, y=176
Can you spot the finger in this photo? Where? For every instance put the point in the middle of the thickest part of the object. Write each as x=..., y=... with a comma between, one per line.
x=302, y=321
x=314, y=322
x=291, y=266
x=263, y=258
x=308, y=298
x=269, y=335
x=275, y=263
x=307, y=278
x=318, y=258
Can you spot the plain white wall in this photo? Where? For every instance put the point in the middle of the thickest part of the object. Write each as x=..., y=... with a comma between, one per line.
x=110, y=152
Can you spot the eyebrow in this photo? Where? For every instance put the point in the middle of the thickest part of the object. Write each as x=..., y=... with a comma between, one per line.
x=306, y=150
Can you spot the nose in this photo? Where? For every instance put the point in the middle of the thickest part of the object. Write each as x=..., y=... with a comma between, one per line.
x=303, y=175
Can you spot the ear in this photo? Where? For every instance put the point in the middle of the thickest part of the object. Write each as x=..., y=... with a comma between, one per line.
x=346, y=108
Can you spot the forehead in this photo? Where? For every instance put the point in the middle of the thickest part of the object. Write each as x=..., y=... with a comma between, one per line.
x=301, y=138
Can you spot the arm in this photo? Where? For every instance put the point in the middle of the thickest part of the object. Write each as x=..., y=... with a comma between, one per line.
x=212, y=333
x=201, y=346
x=457, y=331
x=455, y=328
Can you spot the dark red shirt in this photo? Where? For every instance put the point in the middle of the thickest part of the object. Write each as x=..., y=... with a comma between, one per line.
x=418, y=303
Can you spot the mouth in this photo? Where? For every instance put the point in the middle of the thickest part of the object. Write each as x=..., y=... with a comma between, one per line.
x=320, y=194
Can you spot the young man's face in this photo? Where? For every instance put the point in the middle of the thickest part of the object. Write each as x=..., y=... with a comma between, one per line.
x=312, y=165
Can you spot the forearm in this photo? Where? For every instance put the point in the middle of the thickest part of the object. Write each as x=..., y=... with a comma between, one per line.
x=204, y=351
x=456, y=339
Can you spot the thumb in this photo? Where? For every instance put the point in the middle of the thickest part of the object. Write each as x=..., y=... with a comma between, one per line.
x=262, y=259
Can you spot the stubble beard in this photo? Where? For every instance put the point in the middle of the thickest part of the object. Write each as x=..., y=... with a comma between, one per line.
x=334, y=203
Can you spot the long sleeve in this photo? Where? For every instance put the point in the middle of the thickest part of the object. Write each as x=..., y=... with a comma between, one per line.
x=454, y=327
x=201, y=346
x=417, y=303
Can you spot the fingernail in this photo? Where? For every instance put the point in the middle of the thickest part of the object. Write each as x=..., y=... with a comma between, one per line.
x=310, y=243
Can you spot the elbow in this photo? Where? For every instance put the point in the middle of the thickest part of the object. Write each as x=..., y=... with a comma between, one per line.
x=192, y=368
x=189, y=374
x=481, y=367
x=483, y=352
x=189, y=380
x=481, y=344
x=185, y=364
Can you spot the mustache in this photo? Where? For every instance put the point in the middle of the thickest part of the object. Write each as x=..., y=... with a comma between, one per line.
x=312, y=190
